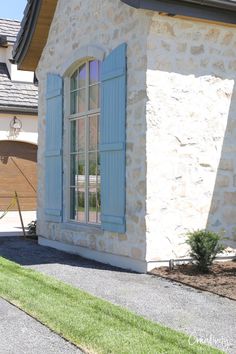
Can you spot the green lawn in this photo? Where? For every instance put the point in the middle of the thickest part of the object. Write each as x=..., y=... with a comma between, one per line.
x=91, y=323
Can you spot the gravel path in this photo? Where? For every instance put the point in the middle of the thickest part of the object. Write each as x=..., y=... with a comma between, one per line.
x=210, y=318
x=21, y=334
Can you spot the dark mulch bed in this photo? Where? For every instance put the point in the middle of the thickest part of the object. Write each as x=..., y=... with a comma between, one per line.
x=220, y=280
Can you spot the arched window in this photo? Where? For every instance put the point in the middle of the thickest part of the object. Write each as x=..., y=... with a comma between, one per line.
x=85, y=198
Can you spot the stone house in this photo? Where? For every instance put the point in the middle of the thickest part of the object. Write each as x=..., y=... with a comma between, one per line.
x=18, y=125
x=137, y=124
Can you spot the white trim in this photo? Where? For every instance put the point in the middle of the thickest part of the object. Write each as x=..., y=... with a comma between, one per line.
x=86, y=52
x=103, y=257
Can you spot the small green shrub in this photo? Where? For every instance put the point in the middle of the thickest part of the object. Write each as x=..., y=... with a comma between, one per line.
x=204, y=246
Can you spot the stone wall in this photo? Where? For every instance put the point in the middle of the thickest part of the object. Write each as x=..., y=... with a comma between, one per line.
x=191, y=133
x=181, y=126
x=109, y=24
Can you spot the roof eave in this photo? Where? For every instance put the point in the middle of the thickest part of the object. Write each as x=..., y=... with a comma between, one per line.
x=38, y=16
x=18, y=109
x=33, y=35
x=25, y=34
x=209, y=10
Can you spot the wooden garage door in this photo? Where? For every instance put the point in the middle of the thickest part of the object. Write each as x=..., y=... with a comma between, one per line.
x=18, y=172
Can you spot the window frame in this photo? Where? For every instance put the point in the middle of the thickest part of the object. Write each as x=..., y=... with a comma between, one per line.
x=67, y=141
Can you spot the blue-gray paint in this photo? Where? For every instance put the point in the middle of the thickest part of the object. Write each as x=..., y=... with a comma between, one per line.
x=53, y=153
x=112, y=140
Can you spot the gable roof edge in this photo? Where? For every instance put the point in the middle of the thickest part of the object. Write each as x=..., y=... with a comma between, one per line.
x=33, y=34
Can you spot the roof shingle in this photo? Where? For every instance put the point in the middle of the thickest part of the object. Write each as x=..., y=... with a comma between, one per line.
x=16, y=95
x=9, y=29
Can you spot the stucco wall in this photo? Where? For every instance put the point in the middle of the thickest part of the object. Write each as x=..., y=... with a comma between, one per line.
x=28, y=132
x=108, y=25
x=191, y=133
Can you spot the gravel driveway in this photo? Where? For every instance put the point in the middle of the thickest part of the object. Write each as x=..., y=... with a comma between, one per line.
x=210, y=318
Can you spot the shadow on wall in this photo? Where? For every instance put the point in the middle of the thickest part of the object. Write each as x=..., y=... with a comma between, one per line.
x=222, y=213
x=192, y=127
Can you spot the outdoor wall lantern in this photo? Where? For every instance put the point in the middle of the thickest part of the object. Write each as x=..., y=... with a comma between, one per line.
x=15, y=125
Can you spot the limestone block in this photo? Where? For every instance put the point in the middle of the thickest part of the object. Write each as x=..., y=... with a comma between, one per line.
x=196, y=50
x=136, y=253
x=230, y=198
x=226, y=165
x=229, y=215
x=222, y=181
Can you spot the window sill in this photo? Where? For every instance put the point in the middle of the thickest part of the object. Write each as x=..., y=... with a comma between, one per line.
x=73, y=226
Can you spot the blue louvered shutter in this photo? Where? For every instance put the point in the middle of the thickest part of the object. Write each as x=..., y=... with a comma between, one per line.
x=53, y=153
x=112, y=140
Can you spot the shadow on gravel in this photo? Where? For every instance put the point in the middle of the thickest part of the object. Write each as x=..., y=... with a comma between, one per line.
x=28, y=252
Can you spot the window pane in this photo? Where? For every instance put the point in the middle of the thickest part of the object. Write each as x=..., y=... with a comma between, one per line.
x=99, y=205
x=78, y=135
x=73, y=136
x=81, y=207
x=93, y=202
x=94, y=97
x=81, y=169
x=93, y=133
x=82, y=76
x=73, y=102
x=73, y=170
x=73, y=81
x=81, y=134
x=92, y=167
x=81, y=101
x=72, y=204
x=98, y=164
x=94, y=70
x=81, y=188
x=93, y=207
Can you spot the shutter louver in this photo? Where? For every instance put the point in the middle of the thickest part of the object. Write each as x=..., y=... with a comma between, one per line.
x=53, y=153
x=112, y=140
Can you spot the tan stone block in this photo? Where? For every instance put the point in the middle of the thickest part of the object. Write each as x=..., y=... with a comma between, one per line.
x=219, y=65
x=196, y=50
x=92, y=242
x=136, y=253
x=83, y=243
x=213, y=34
x=222, y=181
x=232, y=65
x=122, y=237
x=226, y=165
x=230, y=198
x=66, y=237
x=229, y=215
x=181, y=47
x=141, y=188
x=134, y=218
x=228, y=38
x=166, y=46
x=136, y=173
